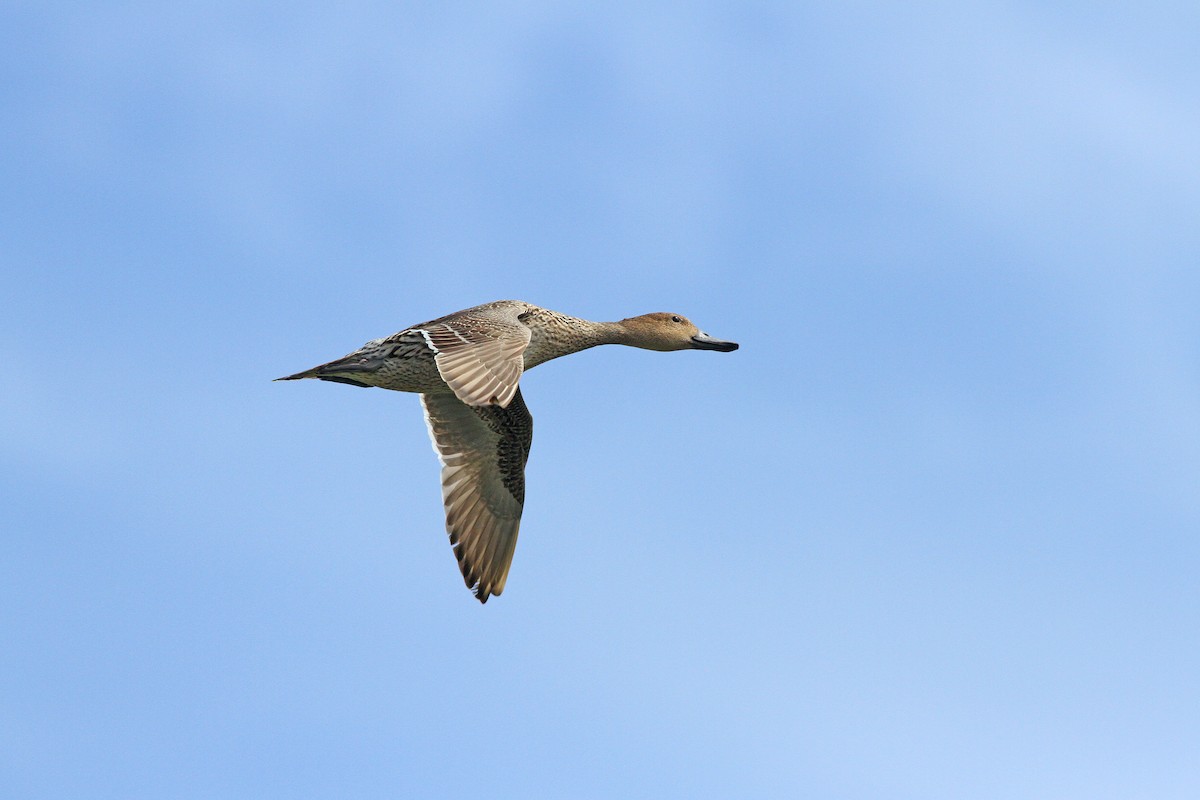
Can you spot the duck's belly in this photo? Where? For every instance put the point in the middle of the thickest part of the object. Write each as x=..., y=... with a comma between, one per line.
x=413, y=374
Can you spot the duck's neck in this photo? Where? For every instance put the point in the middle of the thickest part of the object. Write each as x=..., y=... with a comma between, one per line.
x=556, y=335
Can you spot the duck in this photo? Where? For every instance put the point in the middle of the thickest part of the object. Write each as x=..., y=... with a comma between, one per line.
x=467, y=368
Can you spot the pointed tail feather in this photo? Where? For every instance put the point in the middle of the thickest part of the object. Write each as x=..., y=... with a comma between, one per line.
x=337, y=370
x=308, y=373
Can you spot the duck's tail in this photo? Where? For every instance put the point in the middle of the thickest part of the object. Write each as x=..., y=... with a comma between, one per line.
x=341, y=370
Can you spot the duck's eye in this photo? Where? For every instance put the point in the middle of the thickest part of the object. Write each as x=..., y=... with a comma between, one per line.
x=676, y=319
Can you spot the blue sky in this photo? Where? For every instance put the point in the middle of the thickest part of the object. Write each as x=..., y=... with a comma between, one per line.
x=931, y=533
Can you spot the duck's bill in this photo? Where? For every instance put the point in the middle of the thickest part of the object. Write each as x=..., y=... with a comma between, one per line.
x=702, y=341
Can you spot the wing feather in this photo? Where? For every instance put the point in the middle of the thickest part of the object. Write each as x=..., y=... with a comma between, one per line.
x=483, y=451
x=480, y=359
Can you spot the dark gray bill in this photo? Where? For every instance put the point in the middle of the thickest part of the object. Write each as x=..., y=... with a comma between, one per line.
x=702, y=341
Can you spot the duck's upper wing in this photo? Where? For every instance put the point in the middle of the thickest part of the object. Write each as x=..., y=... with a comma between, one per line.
x=483, y=452
x=480, y=356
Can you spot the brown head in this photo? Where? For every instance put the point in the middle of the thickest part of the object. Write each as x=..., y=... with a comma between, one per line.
x=664, y=331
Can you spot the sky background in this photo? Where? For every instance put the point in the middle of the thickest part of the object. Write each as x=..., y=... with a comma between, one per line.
x=931, y=533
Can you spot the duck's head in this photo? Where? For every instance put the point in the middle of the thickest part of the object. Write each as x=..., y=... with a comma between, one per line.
x=665, y=331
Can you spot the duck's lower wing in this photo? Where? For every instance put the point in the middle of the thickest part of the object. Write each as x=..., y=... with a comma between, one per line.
x=483, y=450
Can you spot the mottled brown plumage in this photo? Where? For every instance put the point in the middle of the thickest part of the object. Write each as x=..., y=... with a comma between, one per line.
x=467, y=367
